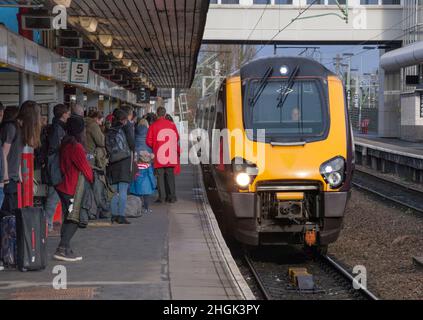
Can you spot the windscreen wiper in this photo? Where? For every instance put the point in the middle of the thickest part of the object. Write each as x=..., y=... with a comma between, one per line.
x=262, y=86
x=283, y=96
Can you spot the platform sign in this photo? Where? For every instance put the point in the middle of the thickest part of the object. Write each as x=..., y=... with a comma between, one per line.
x=79, y=71
x=31, y=56
x=3, y=44
x=15, y=51
x=144, y=95
x=62, y=70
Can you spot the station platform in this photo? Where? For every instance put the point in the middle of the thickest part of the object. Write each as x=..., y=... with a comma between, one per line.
x=393, y=145
x=176, y=253
x=399, y=158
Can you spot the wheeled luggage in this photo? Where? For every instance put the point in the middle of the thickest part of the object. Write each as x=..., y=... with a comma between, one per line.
x=8, y=248
x=32, y=233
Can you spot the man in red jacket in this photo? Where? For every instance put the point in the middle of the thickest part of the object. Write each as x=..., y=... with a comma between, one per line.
x=163, y=138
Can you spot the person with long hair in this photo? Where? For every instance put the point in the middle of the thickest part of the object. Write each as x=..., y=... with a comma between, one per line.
x=20, y=128
x=119, y=173
x=73, y=162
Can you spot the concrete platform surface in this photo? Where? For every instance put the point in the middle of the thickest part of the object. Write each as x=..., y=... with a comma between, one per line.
x=397, y=146
x=175, y=253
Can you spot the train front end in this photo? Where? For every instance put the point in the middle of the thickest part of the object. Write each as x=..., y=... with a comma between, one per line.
x=292, y=180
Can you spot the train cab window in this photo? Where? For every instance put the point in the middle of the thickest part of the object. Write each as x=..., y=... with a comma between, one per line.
x=294, y=114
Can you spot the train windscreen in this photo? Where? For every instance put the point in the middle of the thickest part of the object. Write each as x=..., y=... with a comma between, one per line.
x=296, y=112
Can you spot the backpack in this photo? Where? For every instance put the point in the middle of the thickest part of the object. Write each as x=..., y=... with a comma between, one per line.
x=52, y=173
x=133, y=207
x=43, y=152
x=116, y=145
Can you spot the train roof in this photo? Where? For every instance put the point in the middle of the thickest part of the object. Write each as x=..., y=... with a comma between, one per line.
x=308, y=67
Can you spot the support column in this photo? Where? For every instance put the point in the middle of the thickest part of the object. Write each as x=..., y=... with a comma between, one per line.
x=80, y=98
x=107, y=106
x=92, y=100
x=60, y=87
x=173, y=103
x=389, y=104
x=26, y=87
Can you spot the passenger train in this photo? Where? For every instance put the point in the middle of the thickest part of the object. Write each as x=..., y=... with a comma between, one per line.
x=290, y=185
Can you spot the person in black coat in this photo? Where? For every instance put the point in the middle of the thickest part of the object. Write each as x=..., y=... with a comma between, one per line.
x=56, y=132
x=119, y=174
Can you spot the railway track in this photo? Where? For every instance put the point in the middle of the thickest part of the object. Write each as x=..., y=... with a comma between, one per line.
x=398, y=193
x=332, y=281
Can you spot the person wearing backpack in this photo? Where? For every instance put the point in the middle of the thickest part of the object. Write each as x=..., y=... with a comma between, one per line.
x=96, y=149
x=21, y=127
x=55, y=134
x=120, y=146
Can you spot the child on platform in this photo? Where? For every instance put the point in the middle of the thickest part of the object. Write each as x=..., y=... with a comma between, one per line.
x=145, y=183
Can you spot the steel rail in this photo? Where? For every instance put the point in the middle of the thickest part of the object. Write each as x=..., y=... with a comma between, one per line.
x=349, y=277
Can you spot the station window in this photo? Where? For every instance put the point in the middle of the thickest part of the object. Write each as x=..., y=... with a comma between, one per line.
x=230, y=1
x=283, y=1
x=213, y=1
x=261, y=2
x=369, y=2
x=316, y=2
x=333, y=2
x=391, y=2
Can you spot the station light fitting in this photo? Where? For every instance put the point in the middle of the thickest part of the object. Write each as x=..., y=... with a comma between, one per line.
x=118, y=53
x=134, y=68
x=65, y=3
x=106, y=40
x=88, y=23
x=127, y=62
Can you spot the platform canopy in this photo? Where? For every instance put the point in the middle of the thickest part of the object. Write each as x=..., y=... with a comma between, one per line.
x=161, y=37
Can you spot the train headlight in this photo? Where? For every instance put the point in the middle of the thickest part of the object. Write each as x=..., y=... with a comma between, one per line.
x=284, y=70
x=243, y=180
x=333, y=172
x=245, y=172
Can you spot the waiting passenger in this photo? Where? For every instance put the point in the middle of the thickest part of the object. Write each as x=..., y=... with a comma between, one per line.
x=16, y=133
x=55, y=134
x=97, y=154
x=73, y=163
x=164, y=135
x=120, y=147
x=141, y=131
x=145, y=182
x=1, y=162
x=1, y=112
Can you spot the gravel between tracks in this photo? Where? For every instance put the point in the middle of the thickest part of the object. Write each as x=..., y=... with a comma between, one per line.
x=383, y=238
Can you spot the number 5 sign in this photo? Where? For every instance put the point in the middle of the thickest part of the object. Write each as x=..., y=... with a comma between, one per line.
x=79, y=71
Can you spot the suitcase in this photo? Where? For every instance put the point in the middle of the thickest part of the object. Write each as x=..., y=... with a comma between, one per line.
x=32, y=234
x=8, y=248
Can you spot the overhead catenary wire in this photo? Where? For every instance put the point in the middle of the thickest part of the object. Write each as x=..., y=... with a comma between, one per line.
x=277, y=33
x=258, y=21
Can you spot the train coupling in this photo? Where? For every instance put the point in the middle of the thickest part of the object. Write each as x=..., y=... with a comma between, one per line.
x=310, y=236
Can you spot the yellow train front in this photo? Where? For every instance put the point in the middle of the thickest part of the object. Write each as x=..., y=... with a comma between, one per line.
x=285, y=152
